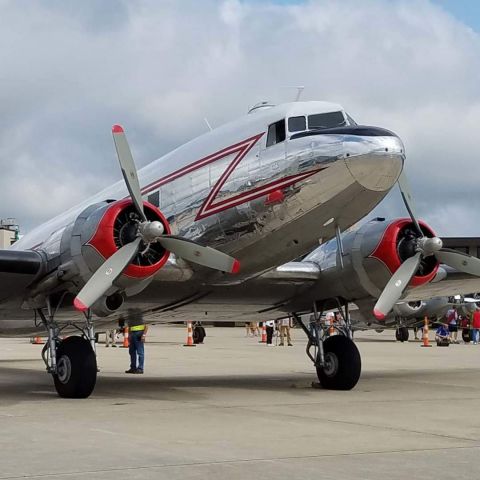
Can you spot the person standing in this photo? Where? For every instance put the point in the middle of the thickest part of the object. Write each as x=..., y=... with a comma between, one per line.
x=270, y=325
x=452, y=317
x=475, y=325
x=137, y=334
x=111, y=336
x=285, y=326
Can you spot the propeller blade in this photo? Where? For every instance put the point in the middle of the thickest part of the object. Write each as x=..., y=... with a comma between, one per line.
x=129, y=171
x=193, y=252
x=459, y=261
x=104, y=277
x=396, y=285
x=404, y=187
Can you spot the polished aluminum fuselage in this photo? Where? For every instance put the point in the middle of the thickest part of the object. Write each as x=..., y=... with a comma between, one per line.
x=263, y=205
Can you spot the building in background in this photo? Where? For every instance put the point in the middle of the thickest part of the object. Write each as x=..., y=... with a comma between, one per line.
x=9, y=232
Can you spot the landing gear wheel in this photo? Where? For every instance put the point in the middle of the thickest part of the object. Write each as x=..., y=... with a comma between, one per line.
x=342, y=364
x=466, y=335
x=401, y=334
x=76, y=368
x=198, y=334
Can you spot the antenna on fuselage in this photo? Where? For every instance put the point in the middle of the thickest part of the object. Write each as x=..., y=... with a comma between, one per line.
x=208, y=123
x=299, y=88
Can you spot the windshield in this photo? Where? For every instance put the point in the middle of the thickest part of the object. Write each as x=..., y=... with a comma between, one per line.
x=326, y=120
x=351, y=121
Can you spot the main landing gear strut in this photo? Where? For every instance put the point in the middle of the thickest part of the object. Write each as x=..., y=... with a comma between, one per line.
x=335, y=357
x=72, y=361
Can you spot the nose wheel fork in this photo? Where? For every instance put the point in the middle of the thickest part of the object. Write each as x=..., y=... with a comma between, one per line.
x=71, y=361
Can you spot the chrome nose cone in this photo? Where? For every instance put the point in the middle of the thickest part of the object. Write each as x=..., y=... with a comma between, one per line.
x=375, y=159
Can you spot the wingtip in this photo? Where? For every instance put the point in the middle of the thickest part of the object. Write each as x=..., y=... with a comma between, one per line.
x=117, y=129
x=379, y=315
x=235, y=266
x=77, y=303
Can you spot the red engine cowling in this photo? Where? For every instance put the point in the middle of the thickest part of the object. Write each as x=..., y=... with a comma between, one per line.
x=398, y=243
x=116, y=228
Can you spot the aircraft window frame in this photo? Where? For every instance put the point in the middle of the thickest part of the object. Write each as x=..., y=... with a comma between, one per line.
x=351, y=121
x=276, y=133
x=297, y=129
x=325, y=114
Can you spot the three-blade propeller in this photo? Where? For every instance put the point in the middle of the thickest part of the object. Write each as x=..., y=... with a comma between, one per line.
x=424, y=247
x=147, y=232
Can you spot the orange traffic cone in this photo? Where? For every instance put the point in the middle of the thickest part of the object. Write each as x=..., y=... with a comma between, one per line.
x=425, y=334
x=189, y=336
x=264, y=333
x=125, y=338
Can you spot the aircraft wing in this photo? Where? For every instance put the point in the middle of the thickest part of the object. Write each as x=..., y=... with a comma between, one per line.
x=455, y=283
x=18, y=269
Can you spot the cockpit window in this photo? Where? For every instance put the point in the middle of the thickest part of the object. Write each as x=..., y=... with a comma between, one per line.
x=351, y=121
x=276, y=133
x=297, y=124
x=326, y=120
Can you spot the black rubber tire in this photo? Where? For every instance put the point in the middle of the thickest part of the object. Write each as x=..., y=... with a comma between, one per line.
x=401, y=334
x=76, y=355
x=198, y=334
x=466, y=335
x=344, y=371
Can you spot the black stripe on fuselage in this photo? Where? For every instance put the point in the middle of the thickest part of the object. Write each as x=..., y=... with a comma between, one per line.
x=357, y=130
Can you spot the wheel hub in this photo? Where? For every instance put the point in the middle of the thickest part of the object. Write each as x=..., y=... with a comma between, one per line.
x=64, y=369
x=331, y=364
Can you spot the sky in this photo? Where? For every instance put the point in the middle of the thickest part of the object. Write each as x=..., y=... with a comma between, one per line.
x=69, y=70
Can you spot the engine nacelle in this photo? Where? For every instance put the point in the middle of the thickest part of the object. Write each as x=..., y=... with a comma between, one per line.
x=371, y=254
x=96, y=234
x=408, y=309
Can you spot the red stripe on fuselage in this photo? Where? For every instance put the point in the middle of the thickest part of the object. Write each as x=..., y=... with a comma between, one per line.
x=240, y=146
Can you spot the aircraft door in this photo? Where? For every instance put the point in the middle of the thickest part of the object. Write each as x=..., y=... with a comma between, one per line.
x=273, y=153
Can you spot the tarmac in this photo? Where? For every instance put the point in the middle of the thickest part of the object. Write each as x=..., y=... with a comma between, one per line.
x=234, y=409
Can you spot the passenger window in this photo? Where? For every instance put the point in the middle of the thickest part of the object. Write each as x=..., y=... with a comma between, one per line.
x=276, y=133
x=297, y=124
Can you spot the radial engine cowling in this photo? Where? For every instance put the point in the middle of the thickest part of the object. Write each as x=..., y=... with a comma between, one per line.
x=97, y=233
x=371, y=255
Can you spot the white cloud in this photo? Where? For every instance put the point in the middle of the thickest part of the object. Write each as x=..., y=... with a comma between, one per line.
x=71, y=69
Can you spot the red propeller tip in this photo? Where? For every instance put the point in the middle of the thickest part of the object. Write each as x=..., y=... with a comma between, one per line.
x=79, y=305
x=379, y=315
x=235, y=266
x=117, y=129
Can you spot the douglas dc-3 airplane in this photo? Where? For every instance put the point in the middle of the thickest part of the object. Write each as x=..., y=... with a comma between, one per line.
x=205, y=233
